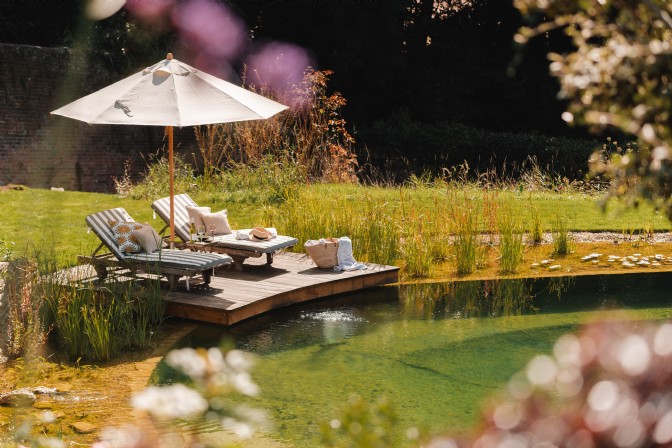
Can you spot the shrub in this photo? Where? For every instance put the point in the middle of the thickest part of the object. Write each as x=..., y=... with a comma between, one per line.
x=405, y=146
x=311, y=134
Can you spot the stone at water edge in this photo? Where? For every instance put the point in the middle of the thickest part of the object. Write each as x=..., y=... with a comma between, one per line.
x=18, y=397
x=84, y=427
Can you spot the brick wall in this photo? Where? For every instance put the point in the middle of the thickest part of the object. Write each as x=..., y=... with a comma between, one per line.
x=41, y=150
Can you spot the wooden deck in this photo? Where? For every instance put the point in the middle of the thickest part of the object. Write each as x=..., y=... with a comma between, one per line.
x=233, y=296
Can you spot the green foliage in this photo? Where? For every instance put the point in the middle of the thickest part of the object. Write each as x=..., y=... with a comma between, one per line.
x=156, y=182
x=374, y=232
x=619, y=74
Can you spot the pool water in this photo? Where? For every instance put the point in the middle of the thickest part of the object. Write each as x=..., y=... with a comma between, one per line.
x=437, y=351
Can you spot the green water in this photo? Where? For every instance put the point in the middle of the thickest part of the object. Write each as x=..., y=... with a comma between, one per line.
x=436, y=350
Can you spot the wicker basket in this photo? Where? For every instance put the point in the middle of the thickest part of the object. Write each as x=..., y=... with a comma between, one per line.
x=324, y=254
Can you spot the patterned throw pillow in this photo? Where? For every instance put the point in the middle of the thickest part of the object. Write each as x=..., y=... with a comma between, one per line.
x=123, y=233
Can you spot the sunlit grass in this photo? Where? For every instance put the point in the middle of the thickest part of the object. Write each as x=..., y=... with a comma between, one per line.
x=410, y=226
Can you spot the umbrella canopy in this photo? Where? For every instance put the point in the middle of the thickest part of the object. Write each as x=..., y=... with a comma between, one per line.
x=170, y=93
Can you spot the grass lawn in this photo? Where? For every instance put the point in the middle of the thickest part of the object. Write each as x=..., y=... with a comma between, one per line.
x=581, y=209
x=44, y=220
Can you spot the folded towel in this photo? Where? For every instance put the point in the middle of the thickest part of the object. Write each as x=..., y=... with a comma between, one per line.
x=346, y=261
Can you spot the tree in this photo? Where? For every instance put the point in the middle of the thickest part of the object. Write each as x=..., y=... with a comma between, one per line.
x=618, y=76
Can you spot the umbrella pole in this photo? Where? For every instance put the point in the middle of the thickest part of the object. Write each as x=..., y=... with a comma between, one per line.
x=169, y=129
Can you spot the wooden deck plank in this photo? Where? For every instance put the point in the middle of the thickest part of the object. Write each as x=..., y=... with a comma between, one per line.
x=233, y=296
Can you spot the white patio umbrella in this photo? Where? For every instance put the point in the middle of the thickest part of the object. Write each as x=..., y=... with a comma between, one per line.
x=170, y=93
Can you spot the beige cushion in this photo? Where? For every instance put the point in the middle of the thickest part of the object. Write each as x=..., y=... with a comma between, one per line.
x=148, y=238
x=196, y=213
x=123, y=233
x=219, y=220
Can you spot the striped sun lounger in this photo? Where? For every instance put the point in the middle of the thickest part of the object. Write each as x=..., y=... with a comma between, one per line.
x=238, y=249
x=171, y=263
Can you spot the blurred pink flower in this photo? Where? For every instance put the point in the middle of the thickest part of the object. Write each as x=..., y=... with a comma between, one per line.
x=278, y=66
x=611, y=386
x=210, y=28
x=149, y=10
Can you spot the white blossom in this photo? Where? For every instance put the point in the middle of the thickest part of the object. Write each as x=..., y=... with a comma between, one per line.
x=174, y=401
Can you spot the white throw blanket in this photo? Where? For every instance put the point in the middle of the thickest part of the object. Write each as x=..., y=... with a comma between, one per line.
x=346, y=261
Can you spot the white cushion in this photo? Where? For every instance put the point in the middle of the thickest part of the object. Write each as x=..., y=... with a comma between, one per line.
x=196, y=214
x=219, y=220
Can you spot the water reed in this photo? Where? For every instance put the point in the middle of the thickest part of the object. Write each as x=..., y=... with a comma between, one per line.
x=562, y=242
x=536, y=229
x=511, y=246
x=97, y=324
x=465, y=242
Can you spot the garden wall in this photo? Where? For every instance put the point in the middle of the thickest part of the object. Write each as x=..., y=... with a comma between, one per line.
x=42, y=151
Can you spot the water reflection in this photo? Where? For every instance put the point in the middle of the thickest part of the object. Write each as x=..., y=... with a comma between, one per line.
x=467, y=299
x=339, y=318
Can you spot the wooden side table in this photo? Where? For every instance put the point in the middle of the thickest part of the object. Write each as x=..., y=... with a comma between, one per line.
x=196, y=246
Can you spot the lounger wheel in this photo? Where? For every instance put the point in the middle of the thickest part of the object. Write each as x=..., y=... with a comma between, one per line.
x=207, y=276
x=269, y=258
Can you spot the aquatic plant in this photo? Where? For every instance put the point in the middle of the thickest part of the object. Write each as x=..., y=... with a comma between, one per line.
x=511, y=247
x=98, y=323
x=562, y=242
x=24, y=327
x=361, y=425
x=465, y=244
x=536, y=228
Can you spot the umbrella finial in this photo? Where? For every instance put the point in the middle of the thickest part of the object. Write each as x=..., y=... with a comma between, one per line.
x=169, y=56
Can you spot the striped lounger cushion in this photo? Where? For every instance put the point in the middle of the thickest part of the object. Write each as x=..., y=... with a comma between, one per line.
x=162, y=208
x=197, y=261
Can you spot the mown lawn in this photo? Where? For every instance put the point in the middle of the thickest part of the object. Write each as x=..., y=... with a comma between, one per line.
x=44, y=220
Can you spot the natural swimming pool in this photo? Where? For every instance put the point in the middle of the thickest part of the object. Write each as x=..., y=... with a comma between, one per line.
x=436, y=350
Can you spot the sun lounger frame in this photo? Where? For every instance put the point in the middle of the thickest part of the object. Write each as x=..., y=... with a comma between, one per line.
x=238, y=250
x=169, y=263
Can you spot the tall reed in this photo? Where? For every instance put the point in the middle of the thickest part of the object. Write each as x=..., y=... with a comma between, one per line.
x=465, y=242
x=98, y=323
x=415, y=250
x=374, y=233
x=562, y=241
x=22, y=328
x=511, y=247
x=536, y=228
